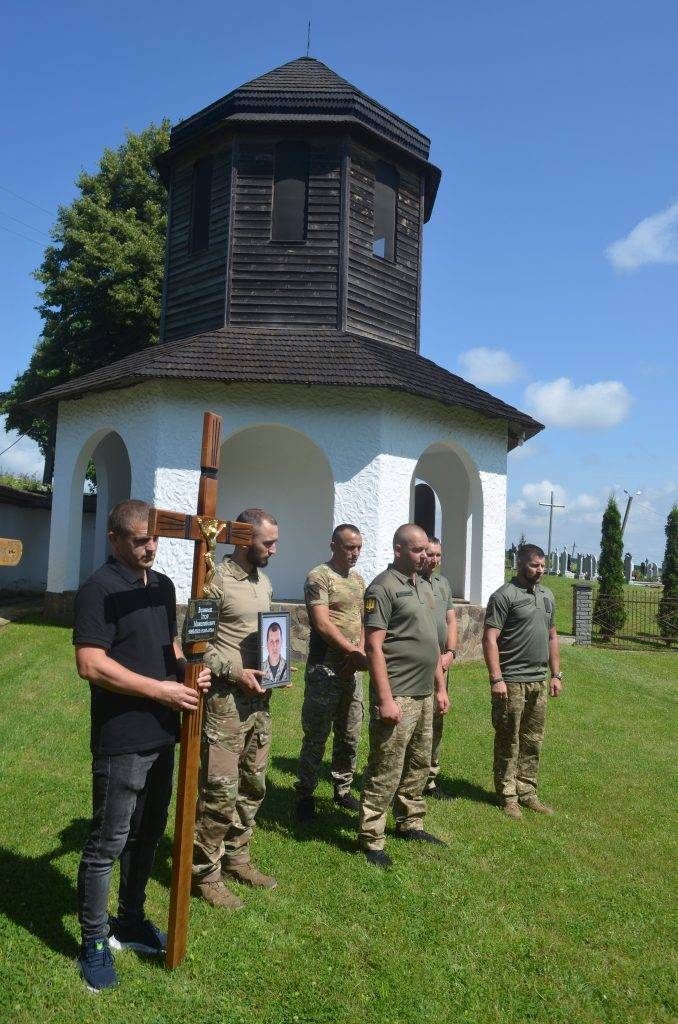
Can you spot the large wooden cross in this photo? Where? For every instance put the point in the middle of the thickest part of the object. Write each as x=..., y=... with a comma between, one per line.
x=206, y=531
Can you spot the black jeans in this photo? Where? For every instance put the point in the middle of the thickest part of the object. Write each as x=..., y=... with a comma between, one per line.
x=130, y=798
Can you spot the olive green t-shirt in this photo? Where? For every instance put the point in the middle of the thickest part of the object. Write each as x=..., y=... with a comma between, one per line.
x=524, y=619
x=406, y=610
x=442, y=595
x=343, y=595
x=241, y=597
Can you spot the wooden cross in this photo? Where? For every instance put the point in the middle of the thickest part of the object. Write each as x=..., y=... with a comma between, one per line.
x=206, y=532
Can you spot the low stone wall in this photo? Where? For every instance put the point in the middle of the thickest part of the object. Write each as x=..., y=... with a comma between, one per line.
x=59, y=610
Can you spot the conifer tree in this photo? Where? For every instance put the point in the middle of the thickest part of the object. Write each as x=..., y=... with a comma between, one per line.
x=667, y=616
x=610, y=612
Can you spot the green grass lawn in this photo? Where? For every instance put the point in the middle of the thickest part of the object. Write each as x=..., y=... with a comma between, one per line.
x=566, y=919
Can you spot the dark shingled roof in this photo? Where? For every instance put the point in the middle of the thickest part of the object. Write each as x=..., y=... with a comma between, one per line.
x=323, y=358
x=306, y=92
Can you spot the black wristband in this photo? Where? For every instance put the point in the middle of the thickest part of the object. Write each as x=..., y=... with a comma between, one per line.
x=181, y=669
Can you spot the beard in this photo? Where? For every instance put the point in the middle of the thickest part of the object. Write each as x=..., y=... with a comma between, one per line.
x=257, y=559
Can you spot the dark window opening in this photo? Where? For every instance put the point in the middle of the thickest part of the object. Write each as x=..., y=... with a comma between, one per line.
x=201, y=204
x=385, y=199
x=290, y=192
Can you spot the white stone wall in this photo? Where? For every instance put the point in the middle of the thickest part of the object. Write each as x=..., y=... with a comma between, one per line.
x=371, y=440
x=32, y=527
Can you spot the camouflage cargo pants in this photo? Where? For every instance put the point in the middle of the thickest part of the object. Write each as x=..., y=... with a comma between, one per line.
x=236, y=738
x=518, y=735
x=330, y=704
x=397, y=768
x=437, y=729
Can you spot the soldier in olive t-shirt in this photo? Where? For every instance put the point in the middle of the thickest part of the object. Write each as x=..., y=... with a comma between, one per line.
x=404, y=661
x=519, y=641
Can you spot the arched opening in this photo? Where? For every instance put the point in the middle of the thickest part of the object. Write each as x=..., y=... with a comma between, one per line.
x=425, y=502
x=76, y=526
x=281, y=470
x=452, y=479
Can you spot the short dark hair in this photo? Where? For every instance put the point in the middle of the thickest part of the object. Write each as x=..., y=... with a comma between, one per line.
x=527, y=551
x=338, y=530
x=434, y=540
x=125, y=514
x=274, y=627
x=256, y=516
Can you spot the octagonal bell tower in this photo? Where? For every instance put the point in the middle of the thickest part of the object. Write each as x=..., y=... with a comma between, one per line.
x=296, y=201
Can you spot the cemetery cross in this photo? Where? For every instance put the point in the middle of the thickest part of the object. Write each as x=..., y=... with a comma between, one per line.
x=206, y=531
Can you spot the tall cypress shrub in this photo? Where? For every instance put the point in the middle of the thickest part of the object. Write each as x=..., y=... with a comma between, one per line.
x=667, y=616
x=610, y=611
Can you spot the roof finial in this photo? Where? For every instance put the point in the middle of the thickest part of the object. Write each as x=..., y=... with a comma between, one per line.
x=308, y=37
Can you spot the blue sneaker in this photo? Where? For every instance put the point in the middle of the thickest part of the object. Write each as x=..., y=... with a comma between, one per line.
x=141, y=936
x=95, y=963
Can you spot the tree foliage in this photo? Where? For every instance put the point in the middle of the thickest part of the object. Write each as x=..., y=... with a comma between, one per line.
x=610, y=610
x=101, y=277
x=667, y=616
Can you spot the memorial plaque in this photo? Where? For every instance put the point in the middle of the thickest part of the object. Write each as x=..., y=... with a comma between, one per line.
x=202, y=620
x=10, y=551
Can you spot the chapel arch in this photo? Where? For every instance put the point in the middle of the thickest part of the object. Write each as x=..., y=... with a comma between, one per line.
x=88, y=533
x=282, y=470
x=452, y=479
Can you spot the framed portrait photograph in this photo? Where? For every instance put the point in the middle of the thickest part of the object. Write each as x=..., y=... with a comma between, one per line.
x=274, y=648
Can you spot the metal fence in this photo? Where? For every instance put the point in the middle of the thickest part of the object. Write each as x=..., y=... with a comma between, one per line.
x=641, y=620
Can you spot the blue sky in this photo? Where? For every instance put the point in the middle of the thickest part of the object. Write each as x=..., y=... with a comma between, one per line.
x=551, y=259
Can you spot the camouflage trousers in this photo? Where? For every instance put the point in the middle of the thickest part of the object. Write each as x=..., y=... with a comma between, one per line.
x=330, y=704
x=518, y=735
x=236, y=739
x=397, y=768
x=436, y=742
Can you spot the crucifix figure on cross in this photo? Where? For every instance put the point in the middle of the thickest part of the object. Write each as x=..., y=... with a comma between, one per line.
x=206, y=531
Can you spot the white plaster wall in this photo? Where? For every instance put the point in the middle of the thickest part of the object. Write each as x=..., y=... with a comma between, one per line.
x=31, y=527
x=371, y=439
x=443, y=470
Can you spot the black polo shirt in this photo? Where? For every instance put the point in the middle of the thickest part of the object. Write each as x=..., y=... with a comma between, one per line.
x=135, y=622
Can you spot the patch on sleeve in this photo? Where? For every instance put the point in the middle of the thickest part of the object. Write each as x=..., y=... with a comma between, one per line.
x=370, y=604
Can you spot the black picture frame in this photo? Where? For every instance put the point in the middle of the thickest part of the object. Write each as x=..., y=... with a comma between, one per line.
x=266, y=620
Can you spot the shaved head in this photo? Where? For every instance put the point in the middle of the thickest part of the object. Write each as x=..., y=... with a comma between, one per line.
x=409, y=534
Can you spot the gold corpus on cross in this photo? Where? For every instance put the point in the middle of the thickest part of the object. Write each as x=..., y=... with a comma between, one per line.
x=206, y=532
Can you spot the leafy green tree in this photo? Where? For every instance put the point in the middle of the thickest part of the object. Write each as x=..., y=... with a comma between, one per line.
x=101, y=277
x=610, y=611
x=667, y=616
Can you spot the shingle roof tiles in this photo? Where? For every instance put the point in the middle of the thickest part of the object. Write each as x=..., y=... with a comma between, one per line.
x=322, y=357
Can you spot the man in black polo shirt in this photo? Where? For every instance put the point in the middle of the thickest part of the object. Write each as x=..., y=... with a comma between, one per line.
x=124, y=636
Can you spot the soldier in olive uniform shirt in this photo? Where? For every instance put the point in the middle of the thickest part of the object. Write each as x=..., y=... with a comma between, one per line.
x=333, y=696
x=403, y=658
x=236, y=732
x=446, y=622
x=519, y=642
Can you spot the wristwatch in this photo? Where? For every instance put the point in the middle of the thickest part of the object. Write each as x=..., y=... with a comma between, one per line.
x=499, y=679
x=557, y=675
x=450, y=650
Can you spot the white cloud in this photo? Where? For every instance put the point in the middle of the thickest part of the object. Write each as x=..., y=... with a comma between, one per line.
x=654, y=240
x=489, y=366
x=542, y=492
x=559, y=403
x=23, y=457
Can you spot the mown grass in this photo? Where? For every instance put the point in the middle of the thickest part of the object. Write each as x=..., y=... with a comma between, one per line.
x=556, y=920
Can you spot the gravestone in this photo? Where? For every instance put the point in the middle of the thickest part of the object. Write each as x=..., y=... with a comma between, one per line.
x=562, y=562
x=628, y=567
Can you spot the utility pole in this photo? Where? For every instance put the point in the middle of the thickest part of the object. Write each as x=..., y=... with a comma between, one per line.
x=630, y=498
x=550, y=506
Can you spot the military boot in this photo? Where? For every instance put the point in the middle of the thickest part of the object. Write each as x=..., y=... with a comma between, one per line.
x=216, y=894
x=247, y=874
x=346, y=800
x=533, y=803
x=512, y=810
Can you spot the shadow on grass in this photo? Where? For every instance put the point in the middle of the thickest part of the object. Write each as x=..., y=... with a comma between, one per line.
x=462, y=789
x=277, y=811
x=37, y=895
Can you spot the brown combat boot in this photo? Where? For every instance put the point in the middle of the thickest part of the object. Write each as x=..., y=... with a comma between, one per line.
x=216, y=894
x=512, y=810
x=247, y=874
x=533, y=803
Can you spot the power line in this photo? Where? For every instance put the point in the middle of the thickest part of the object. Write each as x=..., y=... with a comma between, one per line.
x=25, y=224
x=20, y=235
x=24, y=200
x=12, y=444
